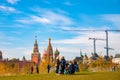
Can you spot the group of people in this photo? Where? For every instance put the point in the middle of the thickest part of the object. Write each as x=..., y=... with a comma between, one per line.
x=62, y=67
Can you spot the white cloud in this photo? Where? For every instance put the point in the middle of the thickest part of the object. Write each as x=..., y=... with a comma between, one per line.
x=113, y=18
x=12, y=1
x=46, y=17
x=71, y=47
x=34, y=19
x=7, y=40
x=58, y=18
x=7, y=9
x=16, y=53
x=41, y=19
x=8, y=47
x=69, y=52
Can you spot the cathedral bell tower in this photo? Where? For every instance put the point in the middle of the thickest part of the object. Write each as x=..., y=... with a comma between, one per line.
x=49, y=51
x=35, y=56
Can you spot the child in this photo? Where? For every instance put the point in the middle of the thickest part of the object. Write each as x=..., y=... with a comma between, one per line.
x=66, y=69
x=71, y=69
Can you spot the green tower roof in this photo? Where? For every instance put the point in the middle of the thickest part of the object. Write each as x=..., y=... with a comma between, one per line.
x=56, y=51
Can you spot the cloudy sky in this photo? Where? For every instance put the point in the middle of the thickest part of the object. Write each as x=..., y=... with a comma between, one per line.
x=22, y=20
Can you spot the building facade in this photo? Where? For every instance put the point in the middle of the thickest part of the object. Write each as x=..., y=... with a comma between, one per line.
x=116, y=59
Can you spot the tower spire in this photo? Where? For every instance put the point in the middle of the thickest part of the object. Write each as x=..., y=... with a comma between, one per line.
x=35, y=45
x=35, y=39
x=49, y=51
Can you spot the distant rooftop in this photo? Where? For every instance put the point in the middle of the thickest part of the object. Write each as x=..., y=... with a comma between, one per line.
x=79, y=58
x=117, y=56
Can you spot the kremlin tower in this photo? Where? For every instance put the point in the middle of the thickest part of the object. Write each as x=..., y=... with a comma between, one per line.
x=35, y=56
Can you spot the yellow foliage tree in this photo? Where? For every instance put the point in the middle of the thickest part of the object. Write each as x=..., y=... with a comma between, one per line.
x=2, y=70
x=11, y=68
x=43, y=66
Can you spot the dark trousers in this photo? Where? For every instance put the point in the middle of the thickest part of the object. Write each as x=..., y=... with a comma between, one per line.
x=62, y=69
x=48, y=70
x=57, y=69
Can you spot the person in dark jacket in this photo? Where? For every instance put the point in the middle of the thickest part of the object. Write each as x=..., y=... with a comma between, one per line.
x=48, y=68
x=76, y=66
x=71, y=69
x=62, y=64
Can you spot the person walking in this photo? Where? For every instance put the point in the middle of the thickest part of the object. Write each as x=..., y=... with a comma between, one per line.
x=31, y=69
x=48, y=68
x=37, y=69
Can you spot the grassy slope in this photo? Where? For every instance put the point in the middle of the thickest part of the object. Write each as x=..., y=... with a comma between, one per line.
x=77, y=76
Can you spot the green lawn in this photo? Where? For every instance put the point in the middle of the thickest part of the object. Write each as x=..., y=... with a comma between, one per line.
x=76, y=76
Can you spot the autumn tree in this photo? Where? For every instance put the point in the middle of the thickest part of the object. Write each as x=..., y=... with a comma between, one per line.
x=2, y=70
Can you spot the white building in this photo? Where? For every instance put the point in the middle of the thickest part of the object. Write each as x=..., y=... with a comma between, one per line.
x=116, y=59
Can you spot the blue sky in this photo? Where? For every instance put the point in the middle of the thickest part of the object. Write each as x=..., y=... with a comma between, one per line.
x=22, y=20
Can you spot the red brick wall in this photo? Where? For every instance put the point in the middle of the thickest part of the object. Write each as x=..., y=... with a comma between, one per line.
x=35, y=58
